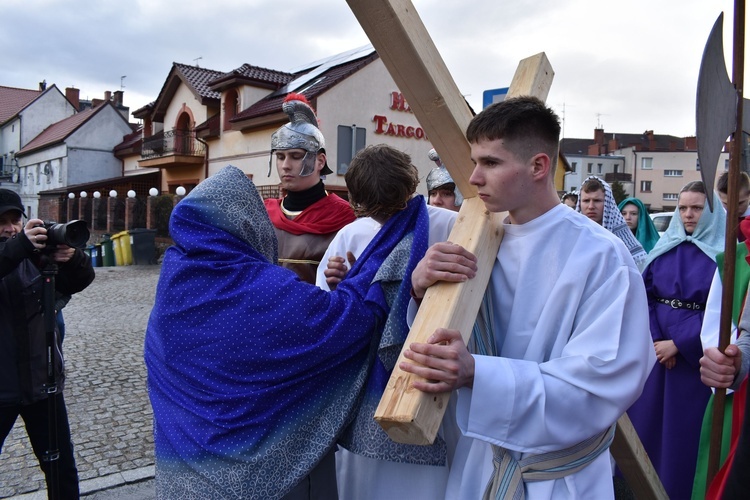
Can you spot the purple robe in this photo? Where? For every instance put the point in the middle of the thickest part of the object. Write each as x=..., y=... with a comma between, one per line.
x=669, y=413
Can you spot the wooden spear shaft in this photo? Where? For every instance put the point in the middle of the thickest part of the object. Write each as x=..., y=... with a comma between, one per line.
x=730, y=242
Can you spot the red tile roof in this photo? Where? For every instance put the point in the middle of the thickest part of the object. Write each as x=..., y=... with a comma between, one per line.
x=209, y=128
x=130, y=140
x=642, y=142
x=13, y=100
x=195, y=78
x=57, y=132
x=199, y=78
x=253, y=75
x=321, y=83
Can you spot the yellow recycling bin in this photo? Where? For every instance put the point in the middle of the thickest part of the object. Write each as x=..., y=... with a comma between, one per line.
x=117, y=250
x=123, y=252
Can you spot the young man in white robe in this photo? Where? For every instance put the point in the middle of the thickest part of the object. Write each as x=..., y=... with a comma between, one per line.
x=569, y=344
x=381, y=180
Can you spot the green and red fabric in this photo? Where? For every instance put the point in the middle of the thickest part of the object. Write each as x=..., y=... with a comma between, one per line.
x=741, y=280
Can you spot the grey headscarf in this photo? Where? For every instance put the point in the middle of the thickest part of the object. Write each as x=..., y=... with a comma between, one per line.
x=230, y=202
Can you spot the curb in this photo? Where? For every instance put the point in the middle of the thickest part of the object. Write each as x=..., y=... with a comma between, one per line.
x=97, y=484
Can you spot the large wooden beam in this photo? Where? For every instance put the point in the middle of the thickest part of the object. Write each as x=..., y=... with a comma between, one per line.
x=402, y=41
x=634, y=463
x=412, y=416
x=406, y=414
x=400, y=38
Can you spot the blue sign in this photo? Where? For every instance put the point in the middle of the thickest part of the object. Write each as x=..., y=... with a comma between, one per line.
x=493, y=95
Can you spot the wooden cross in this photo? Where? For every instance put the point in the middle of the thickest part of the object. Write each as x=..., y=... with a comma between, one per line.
x=403, y=43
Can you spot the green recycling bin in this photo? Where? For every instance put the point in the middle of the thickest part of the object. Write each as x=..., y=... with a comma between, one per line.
x=143, y=246
x=108, y=251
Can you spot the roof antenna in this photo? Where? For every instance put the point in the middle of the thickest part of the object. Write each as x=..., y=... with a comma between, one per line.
x=196, y=61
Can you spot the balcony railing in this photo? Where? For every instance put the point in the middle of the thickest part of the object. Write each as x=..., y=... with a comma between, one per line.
x=172, y=142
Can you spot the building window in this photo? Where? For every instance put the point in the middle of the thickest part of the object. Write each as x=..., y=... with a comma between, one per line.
x=726, y=164
x=591, y=168
x=598, y=168
x=697, y=165
x=350, y=140
x=645, y=186
x=673, y=173
x=573, y=167
x=231, y=107
x=670, y=197
x=647, y=163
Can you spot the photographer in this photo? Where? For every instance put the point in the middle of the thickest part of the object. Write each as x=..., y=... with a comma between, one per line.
x=23, y=362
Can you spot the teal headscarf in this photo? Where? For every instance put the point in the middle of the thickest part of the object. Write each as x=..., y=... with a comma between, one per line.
x=709, y=233
x=646, y=232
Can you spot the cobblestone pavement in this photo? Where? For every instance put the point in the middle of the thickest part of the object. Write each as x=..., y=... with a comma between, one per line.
x=110, y=415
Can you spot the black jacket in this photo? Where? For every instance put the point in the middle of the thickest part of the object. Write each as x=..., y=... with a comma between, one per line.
x=23, y=360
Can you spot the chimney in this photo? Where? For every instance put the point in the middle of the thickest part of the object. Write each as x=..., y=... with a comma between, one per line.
x=107, y=95
x=691, y=143
x=118, y=97
x=43, y=85
x=73, y=95
x=599, y=136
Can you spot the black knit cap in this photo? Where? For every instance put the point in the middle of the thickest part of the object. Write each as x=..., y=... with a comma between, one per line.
x=9, y=200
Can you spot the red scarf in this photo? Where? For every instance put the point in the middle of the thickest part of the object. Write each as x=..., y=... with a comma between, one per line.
x=325, y=216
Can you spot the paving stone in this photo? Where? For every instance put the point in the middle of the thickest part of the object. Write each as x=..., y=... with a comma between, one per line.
x=105, y=390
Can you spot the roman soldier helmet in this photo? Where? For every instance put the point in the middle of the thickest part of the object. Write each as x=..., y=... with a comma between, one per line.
x=439, y=177
x=301, y=132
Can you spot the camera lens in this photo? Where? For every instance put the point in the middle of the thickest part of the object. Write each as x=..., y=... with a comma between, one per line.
x=74, y=234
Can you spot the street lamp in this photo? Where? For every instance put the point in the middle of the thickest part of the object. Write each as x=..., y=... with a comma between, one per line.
x=71, y=196
x=97, y=194
x=84, y=194
x=113, y=194
x=153, y=192
x=131, y=194
x=180, y=191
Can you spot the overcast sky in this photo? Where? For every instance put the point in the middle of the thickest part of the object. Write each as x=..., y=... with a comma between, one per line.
x=626, y=66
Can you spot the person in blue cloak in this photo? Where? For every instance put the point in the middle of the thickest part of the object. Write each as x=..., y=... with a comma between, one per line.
x=252, y=373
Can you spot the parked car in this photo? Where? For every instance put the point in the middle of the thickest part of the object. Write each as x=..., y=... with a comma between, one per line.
x=661, y=221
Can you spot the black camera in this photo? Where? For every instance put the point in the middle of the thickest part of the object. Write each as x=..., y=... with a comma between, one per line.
x=75, y=234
